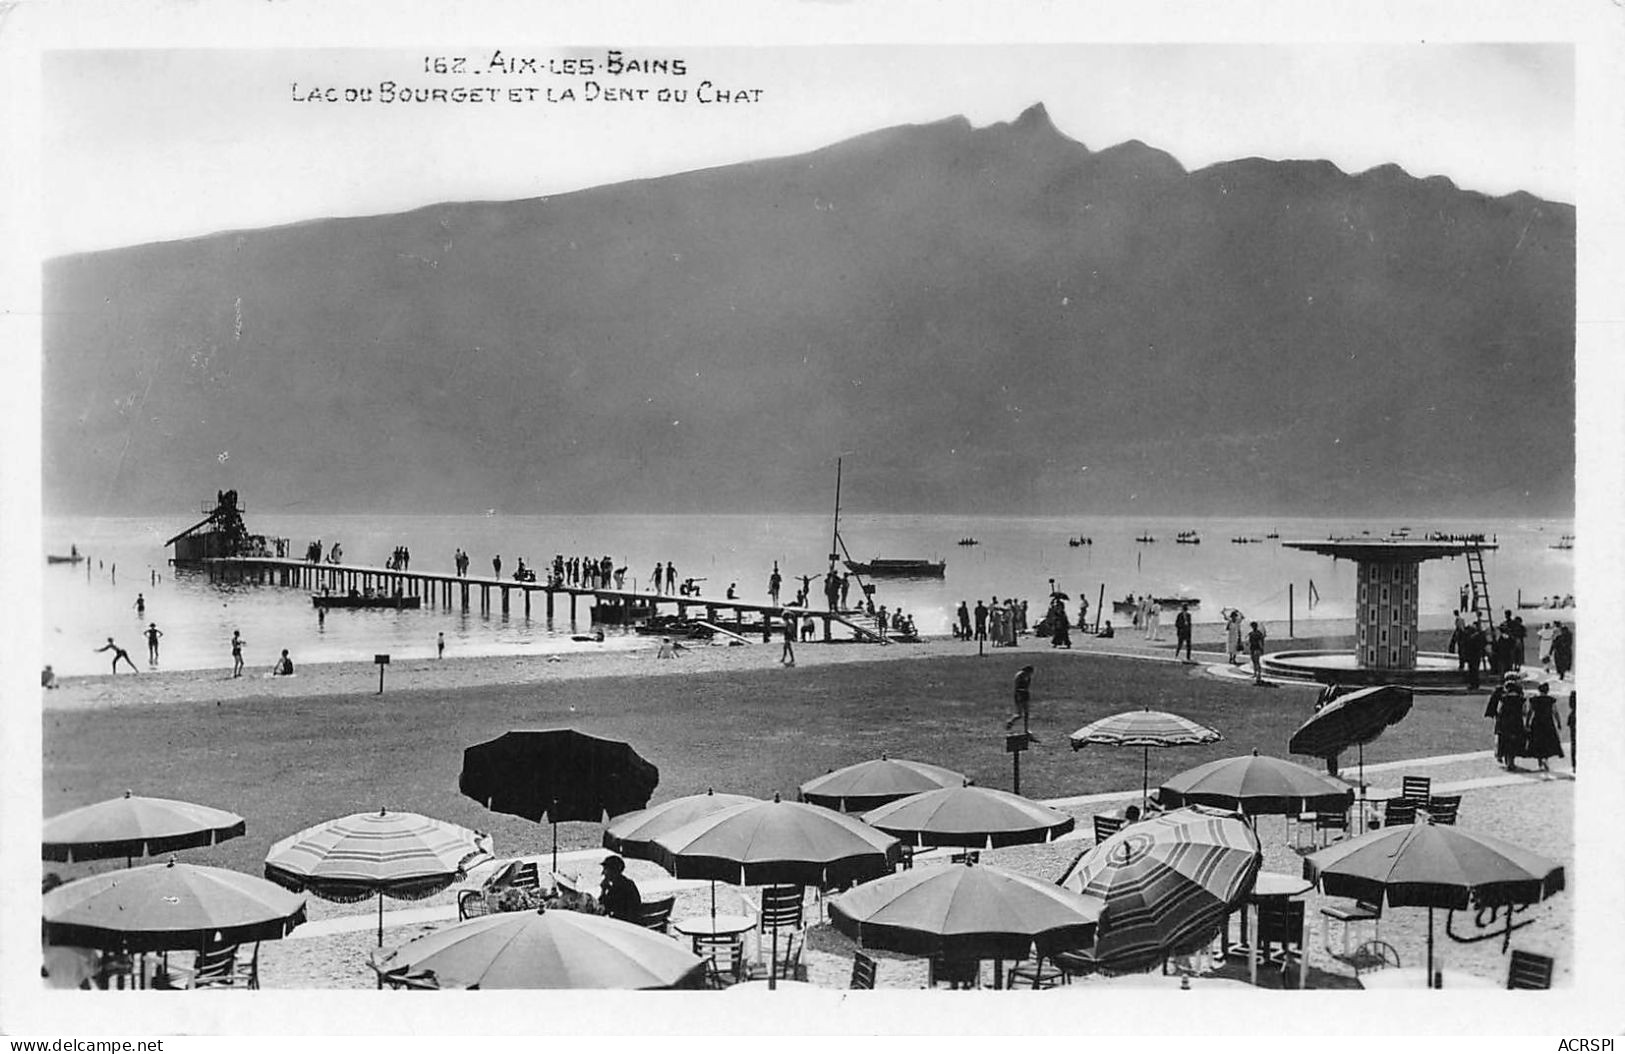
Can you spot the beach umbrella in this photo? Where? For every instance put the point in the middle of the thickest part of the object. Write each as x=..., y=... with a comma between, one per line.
x=1144, y=729
x=134, y=826
x=871, y=784
x=1423, y=865
x=1253, y=784
x=396, y=854
x=1169, y=883
x=168, y=907
x=546, y=949
x=1352, y=720
x=965, y=912
x=633, y=834
x=778, y=843
x=557, y=774
x=973, y=817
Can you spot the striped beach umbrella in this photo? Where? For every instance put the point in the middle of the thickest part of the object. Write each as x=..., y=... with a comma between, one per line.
x=973, y=817
x=395, y=854
x=871, y=784
x=1144, y=729
x=134, y=826
x=1169, y=882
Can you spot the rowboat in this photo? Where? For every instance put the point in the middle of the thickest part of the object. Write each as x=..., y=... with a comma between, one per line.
x=898, y=568
x=51, y=558
x=401, y=603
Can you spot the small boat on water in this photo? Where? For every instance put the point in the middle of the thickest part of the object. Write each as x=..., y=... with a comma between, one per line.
x=898, y=568
x=377, y=600
x=1080, y=540
x=71, y=558
x=1273, y=534
x=1245, y=541
x=1566, y=542
x=1128, y=607
x=672, y=626
x=1188, y=538
x=1145, y=539
x=969, y=541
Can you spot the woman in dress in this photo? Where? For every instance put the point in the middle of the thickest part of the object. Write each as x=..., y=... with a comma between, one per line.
x=1510, y=721
x=1232, y=636
x=1543, y=741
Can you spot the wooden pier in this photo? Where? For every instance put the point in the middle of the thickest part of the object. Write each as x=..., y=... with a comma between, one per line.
x=451, y=591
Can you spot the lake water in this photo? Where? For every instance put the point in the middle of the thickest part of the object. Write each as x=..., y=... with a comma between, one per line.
x=1017, y=557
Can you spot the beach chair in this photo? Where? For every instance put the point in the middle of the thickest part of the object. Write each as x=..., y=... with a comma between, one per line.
x=1442, y=808
x=1528, y=970
x=1106, y=826
x=1328, y=822
x=1038, y=972
x=656, y=914
x=790, y=966
x=863, y=971
x=1280, y=933
x=1416, y=788
x=219, y=966
x=1373, y=955
x=1348, y=915
x=724, y=958
x=781, y=907
x=471, y=904
x=1397, y=812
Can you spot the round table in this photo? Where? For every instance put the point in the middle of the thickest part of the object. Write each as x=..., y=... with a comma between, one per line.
x=1274, y=885
x=715, y=925
x=1416, y=977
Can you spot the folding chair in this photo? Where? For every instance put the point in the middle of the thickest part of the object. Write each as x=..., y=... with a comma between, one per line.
x=1528, y=970
x=472, y=903
x=1417, y=788
x=1398, y=812
x=1280, y=933
x=1348, y=914
x=1040, y=972
x=1106, y=826
x=724, y=958
x=955, y=973
x=863, y=971
x=656, y=914
x=1328, y=822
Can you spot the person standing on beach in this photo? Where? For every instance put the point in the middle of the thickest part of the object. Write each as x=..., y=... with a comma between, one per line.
x=118, y=653
x=1083, y=614
x=1182, y=632
x=1545, y=637
x=1562, y=650
x=1023, y=694
x=237, y=643
x=981, y=621
x=1255, y=651
x=775, y=582
x=153, y=633
x=1232, y=636
x=440, y=646
x=1520, y=634
x=787, y=657
x=964, y=621
x=1472, y=653
x=140, y=604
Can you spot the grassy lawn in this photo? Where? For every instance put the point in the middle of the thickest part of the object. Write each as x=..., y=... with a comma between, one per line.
x=286, y=764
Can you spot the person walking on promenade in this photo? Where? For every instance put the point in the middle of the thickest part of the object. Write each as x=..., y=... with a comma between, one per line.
x=1182, y=632
x=153, y=633
x=1562, y=650
x=496, y=566
x=1472, y=652
x=118, y=653
x=787, y=657
x=1153, y=619
x=1023, y=693
x=440, y=646
x=981, y=621
x=775, y=582
x=1060, y=632
x=1255, y=651
x=237, y=643
x=1233, y=636
x=1544, y=740
x=1506, y=706
x=1520, y=634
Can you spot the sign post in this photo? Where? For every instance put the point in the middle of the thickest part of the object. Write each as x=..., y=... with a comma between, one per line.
x=382, y=661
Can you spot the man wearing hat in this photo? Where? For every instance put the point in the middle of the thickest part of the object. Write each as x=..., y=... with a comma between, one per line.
x=617, y=894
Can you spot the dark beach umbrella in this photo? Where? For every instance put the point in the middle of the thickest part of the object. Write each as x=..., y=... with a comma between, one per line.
x=557, y=774
x=169, y=907
x=1169, y=883
x=1352, y=720
x=871, y=784
x=396, y=854
x=134, y=826
x=548, y=949
x=970, y=912
x=1423, y=865
x=974, y=817
x=778, y=843
x=1253, y=784
x=1144, y=729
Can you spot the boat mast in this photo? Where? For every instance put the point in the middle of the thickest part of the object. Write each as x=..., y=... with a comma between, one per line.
x=835, y=537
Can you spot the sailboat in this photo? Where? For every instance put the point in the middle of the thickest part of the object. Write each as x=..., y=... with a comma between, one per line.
x=879, y=567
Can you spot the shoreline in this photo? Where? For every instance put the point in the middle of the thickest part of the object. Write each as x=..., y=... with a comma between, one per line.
x=317, y=679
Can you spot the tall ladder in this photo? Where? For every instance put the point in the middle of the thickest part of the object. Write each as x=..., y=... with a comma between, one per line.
x=1480, y=585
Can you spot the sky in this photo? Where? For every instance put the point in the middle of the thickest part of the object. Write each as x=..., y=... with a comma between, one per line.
x=156, y=144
